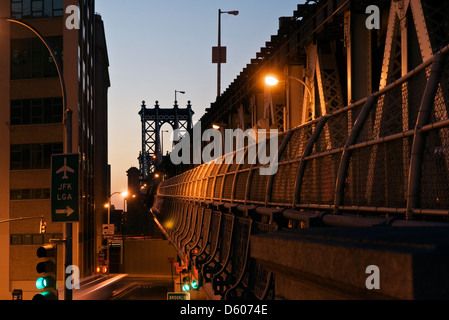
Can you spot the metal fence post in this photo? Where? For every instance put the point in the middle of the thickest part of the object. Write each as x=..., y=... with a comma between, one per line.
x=419, y=141
x=307, y=151
x=346, y=155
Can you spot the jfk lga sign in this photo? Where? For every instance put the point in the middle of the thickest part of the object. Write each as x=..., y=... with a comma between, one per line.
x=65, y=188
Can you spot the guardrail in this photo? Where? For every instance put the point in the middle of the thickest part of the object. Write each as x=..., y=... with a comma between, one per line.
x=382, y=161
x=385, y=154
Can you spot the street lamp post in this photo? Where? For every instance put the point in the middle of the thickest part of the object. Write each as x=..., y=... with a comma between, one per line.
x=124, y=194
x=162, y=149
x=176, y=92
x=67, y=122
x=176, y=119
x=219, y=50
x=123, y=223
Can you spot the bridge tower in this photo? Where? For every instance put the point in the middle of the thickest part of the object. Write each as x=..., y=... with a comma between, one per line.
x=152, y=121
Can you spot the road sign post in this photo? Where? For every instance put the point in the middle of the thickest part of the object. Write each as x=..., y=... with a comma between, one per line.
x=65, y=188
x=65, y=196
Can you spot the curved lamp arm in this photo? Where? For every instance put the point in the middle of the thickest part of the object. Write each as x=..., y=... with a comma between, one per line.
x=50, y=50
x=304, y=84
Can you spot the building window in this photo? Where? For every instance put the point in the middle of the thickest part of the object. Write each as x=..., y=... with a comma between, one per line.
x=36, y=111
x=16, y=239
x=30, y=194
x=29, y=9
x=34, y=156
x=30, y=58
x=32, y=239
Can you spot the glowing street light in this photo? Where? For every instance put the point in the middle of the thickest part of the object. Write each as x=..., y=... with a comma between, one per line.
x=272, y=81
x=124, y=194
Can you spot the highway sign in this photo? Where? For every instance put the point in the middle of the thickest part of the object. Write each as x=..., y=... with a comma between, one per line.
x=65, y=188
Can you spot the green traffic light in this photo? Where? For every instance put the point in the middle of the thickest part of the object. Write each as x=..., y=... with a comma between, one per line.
x=186, y=287
x=194, y=285
x=44, y=283
x=41, y=283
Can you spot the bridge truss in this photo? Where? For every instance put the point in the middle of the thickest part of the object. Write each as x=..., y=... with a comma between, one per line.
x=152, y=121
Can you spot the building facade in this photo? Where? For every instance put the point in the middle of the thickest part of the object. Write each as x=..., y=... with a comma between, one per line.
x=32, y=115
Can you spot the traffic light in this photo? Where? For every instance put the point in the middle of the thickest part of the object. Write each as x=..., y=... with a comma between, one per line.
x=189, y=283
x=194, y=284
x=185, y=280
x=46, y=267
x=43, y=227
x=124, y=218
x=102, y=269
x=105, y=269
x=186, y=285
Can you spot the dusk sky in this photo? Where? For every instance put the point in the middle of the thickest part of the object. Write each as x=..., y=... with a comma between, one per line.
x=157, y=47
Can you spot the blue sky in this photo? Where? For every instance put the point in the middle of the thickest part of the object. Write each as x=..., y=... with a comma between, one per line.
x=157, y=47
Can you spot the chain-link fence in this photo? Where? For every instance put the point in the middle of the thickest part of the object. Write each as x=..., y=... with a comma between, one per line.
x=357, y=159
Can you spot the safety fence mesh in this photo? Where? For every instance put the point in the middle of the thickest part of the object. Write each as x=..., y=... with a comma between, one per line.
x=311, y=171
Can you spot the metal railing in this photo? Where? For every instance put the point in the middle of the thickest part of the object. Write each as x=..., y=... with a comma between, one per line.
x=382, y=161
x=387, y=154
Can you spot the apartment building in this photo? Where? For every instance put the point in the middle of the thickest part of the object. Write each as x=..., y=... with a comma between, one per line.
x=32, y=130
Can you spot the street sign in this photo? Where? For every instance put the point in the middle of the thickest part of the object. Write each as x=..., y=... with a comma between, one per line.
x=178, y=296
x=179, y=269
x=219, y=54
x=108, y=229
x=65, y=188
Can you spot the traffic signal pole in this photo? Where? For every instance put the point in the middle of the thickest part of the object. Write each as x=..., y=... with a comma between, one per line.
x=21, y=219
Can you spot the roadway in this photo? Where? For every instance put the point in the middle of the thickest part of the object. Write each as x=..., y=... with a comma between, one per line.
x=131, y=287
